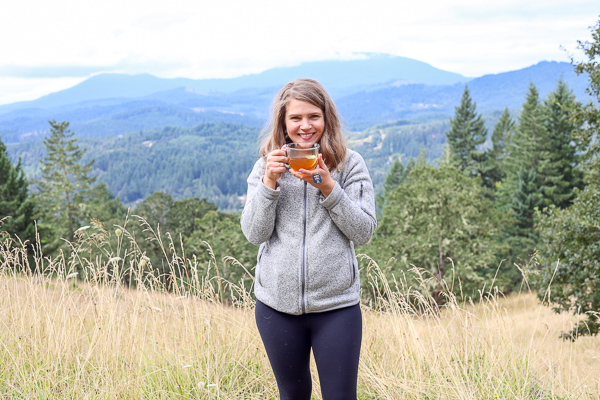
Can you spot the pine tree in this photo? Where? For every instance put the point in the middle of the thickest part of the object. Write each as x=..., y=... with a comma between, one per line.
x=467, y=133
x=525, y=200
x=560, y=173
x=16, y=208
x=421, y=160
x=521, y=192
x=496, y=170
x=393, y=177
x=527, y=146
x=64, y=185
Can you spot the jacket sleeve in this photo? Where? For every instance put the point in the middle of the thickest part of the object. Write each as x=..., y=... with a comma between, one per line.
x=352, y=207
x=258, y=215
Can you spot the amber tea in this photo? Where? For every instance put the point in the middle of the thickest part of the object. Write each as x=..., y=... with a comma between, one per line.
x=302, y=156
x=309, y=162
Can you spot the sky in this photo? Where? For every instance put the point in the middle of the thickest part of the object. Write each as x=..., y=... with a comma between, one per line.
x=52, y=45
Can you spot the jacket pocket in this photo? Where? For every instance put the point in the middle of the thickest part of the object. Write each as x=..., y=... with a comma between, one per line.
x=361, y=195
x=258, y=268
x=351, y=266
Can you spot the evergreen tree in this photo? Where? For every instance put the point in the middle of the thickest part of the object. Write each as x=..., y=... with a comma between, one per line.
x=527, y=146
x=16, y=208
x=393, y=177
x=64, y=184
x=467, y=133
x=560, y=172
x=525, y=200
x=496, y=155
x=392, y=180
x=421, y=160
x=396, y=175
x=521, y=191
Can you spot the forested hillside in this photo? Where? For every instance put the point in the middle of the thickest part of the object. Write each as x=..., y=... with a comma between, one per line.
x=209, y=160
x=212, y=160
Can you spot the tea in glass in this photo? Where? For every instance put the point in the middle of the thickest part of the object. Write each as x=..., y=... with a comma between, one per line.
x=302, y=156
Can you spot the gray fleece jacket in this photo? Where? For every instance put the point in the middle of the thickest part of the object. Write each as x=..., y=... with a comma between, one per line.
x=306, y=261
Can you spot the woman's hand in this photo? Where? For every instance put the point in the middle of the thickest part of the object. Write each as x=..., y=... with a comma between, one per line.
x=327, y=183
x=275, y=166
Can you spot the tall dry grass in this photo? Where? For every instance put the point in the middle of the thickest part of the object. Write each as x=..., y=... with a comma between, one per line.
x=63, y=337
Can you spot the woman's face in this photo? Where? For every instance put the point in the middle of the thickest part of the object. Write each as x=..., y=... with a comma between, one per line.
x=304, y=122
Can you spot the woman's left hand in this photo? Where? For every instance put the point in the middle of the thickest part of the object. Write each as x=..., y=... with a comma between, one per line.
x=327, y=183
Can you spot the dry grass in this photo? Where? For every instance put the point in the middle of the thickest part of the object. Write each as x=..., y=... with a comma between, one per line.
x=62, y=338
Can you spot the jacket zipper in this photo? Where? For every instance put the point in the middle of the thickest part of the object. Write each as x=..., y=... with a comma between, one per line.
x=304, y=251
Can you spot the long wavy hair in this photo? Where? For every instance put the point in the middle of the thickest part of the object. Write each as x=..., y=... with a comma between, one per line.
x=274, y=136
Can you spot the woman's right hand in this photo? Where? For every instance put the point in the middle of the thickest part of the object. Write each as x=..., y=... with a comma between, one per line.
x=275, y=166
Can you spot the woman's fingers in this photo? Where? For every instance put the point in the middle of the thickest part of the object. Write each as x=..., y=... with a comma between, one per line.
x=278, y=166
x=276, y=161
x=277, y=156
x=322, y=164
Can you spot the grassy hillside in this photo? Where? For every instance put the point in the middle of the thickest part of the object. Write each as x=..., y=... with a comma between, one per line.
x=64, y=338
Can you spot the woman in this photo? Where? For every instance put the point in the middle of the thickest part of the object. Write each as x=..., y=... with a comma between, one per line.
x=307, y=222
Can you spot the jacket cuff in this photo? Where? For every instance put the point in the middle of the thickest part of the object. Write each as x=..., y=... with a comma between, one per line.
x=271, y=194
x=334, y=197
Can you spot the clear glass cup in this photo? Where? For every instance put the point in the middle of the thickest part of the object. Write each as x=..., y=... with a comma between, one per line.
x=302, y=156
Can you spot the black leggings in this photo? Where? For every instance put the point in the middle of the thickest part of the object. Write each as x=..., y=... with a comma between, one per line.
x=334, y=337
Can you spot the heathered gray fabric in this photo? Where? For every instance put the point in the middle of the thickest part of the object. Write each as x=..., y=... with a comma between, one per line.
x=274, y=219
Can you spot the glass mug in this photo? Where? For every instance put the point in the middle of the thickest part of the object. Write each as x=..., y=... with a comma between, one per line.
x=302, y=156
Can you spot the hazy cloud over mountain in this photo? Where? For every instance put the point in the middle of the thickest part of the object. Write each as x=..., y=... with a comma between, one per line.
x=69, y=39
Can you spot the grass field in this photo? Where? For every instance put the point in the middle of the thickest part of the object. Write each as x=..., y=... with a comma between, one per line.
x=94, y=338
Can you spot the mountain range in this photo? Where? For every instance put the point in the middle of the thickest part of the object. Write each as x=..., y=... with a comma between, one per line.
x=369, y=91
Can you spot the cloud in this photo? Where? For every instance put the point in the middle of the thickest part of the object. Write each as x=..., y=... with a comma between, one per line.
x=129, y=65
x=208, y=39
x=23, y=89
x=159, y=22
x=18, y=71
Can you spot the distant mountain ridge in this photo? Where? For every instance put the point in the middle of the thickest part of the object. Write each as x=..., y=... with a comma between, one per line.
x=490, y=93
x=338, y=75
x=368, y=92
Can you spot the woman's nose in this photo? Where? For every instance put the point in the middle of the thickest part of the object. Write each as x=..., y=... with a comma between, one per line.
x=305, y=124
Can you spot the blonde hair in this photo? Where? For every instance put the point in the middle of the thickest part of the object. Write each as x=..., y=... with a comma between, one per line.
x=274, y=136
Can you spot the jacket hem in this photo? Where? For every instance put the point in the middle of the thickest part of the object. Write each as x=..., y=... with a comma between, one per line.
x=336, y=307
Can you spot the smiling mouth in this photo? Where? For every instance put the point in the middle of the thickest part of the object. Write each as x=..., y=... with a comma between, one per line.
x=306, y=135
